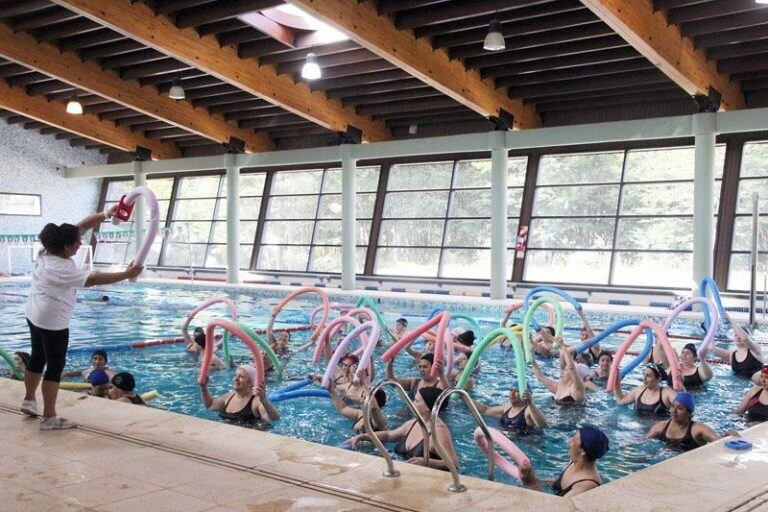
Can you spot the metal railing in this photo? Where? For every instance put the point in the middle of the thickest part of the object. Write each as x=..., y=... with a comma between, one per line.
x=391, y=471
x=457, y=486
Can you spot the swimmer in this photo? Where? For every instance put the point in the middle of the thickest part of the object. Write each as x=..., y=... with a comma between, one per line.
x=199, y=342
x=401, y=327
x=98, y=362
x=122, y=388
x=429, y=348
x=585, y=334
x=693, y=376
x=681, y=432
x=585, y=447
x=544, y=342
x=245, y=405
x=658, y=356
x=99, y=381
x=280, y=347
x=656, y=402
x=754, y=405
x=410, y=439
x=378, y=420
x=569, y=388
x=519, y=415
x=22, y=360
x=604, y=361
x=747, y=359
x=425, y=380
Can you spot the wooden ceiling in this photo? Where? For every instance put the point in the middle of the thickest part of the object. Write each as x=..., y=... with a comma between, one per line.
x=407, y=62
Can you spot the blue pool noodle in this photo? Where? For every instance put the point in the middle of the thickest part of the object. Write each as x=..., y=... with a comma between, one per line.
x=296, y=390
x=612, y=329
x=707, y=282
x=557, y=291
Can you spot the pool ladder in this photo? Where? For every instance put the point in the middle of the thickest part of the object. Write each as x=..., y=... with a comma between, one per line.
x=456, y=485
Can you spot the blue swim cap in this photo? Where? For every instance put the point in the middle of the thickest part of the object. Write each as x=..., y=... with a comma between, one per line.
x=98, y=378
x=686, y=400
x=593, y=442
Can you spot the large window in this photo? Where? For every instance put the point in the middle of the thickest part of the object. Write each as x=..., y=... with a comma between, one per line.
x=115, y=241
x=436, y=218
x=623, y=218
x=753, y=179
x=302, y=230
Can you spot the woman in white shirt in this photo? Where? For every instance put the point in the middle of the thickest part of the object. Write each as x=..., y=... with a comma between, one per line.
x=49, y=308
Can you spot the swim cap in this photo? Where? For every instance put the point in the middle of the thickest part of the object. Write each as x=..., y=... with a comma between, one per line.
x=250, y=371
x=661, y=374
x=199, y=336
x=98, y=378
x=100, y=352
x=764, y=371
x=593, y=442
x=402, y=321
x=467, y=338
x=381, y=398
x=24, y=356
x=691, y=347
x=686, y=400
x=583, y=370
x=124, y=381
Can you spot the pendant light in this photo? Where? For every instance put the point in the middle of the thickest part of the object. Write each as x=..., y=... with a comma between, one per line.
x=177, y=91
x=494, y=41
x=311, y=70
x=74, y=107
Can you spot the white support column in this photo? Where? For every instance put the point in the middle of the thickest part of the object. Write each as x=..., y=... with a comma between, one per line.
x=704, y=127
x=139, y=210
x=498, y=215
x=348, y=217
x=233, y=218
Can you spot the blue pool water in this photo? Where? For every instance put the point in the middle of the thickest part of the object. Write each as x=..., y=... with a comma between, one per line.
x=138, y=312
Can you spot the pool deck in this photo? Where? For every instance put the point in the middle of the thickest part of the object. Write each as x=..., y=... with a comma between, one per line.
x=125, y=457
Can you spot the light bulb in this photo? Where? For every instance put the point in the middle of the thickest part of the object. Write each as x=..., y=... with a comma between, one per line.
x=311, y=70
x=494, y=41
x=74, y=107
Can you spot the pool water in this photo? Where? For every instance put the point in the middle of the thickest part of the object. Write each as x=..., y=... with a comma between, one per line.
x=140, y=312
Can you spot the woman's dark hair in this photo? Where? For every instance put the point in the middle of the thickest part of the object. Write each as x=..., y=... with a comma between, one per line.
x=54, y=238
x=430, y=394
x=605, y=353
x=429, y=358
x=381, y=398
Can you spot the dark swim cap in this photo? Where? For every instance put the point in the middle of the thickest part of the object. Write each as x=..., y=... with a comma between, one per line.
x=402, y=321
x=100, y=352
x=661, y=374
x=25, y=357
x=691, y=347
x=466, y=338
x=199, y=336
x=124, y=381
x=593, y=442
x=381, y=398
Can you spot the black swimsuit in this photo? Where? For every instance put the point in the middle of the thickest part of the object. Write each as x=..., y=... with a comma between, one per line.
x=689, y=381
x=747, y=367
x=655, y=409
x=516, y=423
x=243, y=417
x=557, y=484
x=566, y=400
x=136, y=400
x=757, y=411
x=685, y=443
x=417, y=450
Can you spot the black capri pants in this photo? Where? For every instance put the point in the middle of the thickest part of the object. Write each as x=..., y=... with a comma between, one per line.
x=49, y=351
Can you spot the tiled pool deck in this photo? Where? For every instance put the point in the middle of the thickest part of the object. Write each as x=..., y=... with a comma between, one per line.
x=129, y=458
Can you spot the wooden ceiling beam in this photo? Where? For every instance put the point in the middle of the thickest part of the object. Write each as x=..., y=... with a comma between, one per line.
x=54, y=114
x=711, y=10
x=603, y=69
x=567, y=61
x=393, y=6
x=89, y=40
x=378, y=34
x=69, y=68
x=721, y=24
x=650, y=34
x=431, y=15
x=221, y=10
x=738, y=50
x=40, y=19
x=137, y=21
x=61, y=30
x=731, y=36
x=637, y=78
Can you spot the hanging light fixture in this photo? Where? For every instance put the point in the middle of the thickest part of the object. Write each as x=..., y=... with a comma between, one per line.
x=74, y=107
x=494, y=41
x=311, y=70
x=177, y=91
x=413, y=129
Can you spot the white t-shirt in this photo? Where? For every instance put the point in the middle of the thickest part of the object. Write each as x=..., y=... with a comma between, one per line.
x=52, y=296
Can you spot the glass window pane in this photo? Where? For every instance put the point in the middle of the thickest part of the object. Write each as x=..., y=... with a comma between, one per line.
x=516, y=171
x=470, y=203
x=742, y=234
x=152, y=257
x=755, y=160
x=466, y=263
x=669, y=270
x=199, y=186
x=328, y=232
x=423, y=233
x=739, y=273
x=415, y=204
x=116, y=189
x=276, y=257
x=252, y=184
x=658, y=199
x=249, y=208
x=328, y=259
x=287, y=207
x=473, y=174
x=197, y=209
x=571, y=233
x=579, y=200
x=110, y=252
x=420, y=176
x=184, y=255
x=567, y=266
x=198, y=232
x=330, y=206
x=366, y=180
x=287, y=232
x=247, y=232
x=662, y=233
x=297, y=182
x=407, y=262
x=746, y=189
x=217, y=256
x=580, y=168
x=468, y=233
x=514, y=201
x=161, y=187
x=512, y=227
x=660, y=164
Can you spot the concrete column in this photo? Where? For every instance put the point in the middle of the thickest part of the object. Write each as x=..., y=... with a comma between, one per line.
x=233, y=217
x=348, y=217
x=498, y=215
x=704, y=126
x=140, y=209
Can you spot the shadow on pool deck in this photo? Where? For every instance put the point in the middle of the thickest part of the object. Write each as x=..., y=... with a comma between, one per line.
x=125, y=457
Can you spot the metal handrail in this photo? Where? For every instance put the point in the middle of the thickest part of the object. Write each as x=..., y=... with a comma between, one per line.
x=457, y=486
x=391, y=471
